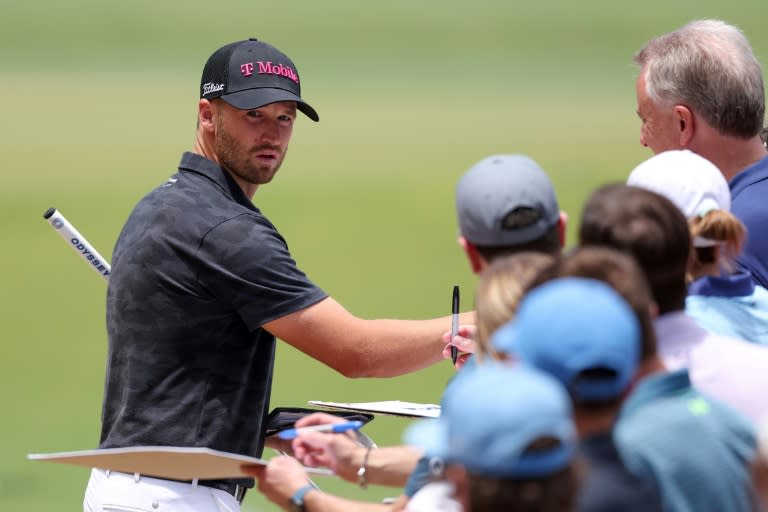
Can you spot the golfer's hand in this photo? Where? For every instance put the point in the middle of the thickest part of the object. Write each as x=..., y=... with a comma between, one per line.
x=464, y=341
x=279, y=479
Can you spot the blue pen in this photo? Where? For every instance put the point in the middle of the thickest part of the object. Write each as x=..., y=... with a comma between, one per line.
x=292, y=433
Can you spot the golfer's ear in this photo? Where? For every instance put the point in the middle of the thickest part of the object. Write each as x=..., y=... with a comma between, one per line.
x=205, y=114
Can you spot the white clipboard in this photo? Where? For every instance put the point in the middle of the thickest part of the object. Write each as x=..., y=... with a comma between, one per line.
x=177, y=463
x=390, y=407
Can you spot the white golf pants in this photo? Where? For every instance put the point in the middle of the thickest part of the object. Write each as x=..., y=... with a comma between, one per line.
x=110, y=491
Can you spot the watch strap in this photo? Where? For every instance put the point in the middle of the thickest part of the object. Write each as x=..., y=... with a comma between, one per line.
x=297, y=500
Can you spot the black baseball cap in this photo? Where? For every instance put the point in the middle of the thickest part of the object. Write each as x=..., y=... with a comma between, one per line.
x=250, y=74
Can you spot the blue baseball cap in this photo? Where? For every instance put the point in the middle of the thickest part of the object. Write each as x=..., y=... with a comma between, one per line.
x=571, y=325
x=491, y=414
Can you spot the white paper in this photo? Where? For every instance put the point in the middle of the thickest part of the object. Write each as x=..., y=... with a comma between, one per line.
x=391, y=407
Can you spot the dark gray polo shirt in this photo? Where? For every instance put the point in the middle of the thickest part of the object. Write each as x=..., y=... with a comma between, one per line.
x=196, y=271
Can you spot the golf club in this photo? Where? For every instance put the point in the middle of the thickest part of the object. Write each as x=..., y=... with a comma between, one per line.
x=78, y=242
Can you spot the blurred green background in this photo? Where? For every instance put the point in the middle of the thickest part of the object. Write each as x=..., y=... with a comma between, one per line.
x=99, y=102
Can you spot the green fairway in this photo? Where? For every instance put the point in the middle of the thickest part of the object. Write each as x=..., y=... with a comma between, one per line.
x=100, y=101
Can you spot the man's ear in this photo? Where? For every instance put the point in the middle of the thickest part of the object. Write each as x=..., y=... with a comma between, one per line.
x=562, y=225
x=205, y=114
x=476, y=262
x=686, y=129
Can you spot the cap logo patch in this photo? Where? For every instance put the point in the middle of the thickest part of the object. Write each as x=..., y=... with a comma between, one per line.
x=247, y=69
x=210, y=87
x=267, y=68
x=520, y=218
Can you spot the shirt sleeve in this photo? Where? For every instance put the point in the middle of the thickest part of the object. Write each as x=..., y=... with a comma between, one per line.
x=249, y=265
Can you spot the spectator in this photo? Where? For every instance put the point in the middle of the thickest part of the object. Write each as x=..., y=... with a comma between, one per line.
x=509, y=449
x=585, y=335
x=722, y=301
x=654, y=231
x=502, y=285
x=701, y=88
x=663, y=421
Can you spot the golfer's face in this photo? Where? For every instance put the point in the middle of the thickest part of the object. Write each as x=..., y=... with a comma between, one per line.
x=252, y=143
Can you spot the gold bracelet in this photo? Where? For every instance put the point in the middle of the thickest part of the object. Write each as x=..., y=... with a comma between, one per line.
x=362, y=479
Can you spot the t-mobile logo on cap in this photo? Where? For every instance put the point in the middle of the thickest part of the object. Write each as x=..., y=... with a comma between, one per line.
x=267, y=68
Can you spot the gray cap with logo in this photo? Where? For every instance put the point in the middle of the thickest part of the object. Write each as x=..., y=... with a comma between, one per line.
x=505, y=200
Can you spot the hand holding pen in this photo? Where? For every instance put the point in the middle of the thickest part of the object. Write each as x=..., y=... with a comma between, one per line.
x=454, y=322
x=292, y=433
x=463, y=342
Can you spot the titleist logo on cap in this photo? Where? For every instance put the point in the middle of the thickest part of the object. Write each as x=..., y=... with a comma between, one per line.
x=267, y=68
x=210, y=87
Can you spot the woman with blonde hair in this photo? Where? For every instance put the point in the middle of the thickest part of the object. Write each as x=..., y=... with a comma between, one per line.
x=501, y=287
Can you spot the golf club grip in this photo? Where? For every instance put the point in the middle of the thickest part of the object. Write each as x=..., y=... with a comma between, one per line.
x=78, y=242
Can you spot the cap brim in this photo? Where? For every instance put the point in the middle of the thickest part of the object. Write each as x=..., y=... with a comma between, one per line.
x=506, y=340
x=430, y=435
x=257, y=98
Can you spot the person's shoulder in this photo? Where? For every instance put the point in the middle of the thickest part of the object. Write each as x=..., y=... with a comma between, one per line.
x=761, y=293
x=732, y=346
x=243, y=226
x=749, y=185
x=681, y=420
x=434, y=496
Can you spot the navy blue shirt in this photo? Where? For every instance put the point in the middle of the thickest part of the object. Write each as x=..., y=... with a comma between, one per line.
x=197, y=270
x=608, y=486
x=749, y=190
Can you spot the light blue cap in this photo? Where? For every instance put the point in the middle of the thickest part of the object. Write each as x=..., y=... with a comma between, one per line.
x=570, y=325
x=491, y=413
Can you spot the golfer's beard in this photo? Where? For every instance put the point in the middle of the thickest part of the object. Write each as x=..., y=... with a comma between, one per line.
x=237, y=160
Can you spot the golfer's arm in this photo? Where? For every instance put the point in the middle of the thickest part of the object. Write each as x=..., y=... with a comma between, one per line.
x=356, y=347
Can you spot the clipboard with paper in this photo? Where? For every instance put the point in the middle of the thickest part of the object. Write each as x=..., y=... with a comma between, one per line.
x=388, y=407
x=174, y=462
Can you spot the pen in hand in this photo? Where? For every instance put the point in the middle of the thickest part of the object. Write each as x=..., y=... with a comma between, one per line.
x=455, y=322
x=292, y=433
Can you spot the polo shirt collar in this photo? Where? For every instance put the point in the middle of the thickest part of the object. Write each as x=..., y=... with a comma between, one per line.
x=653, y=387
x=734, y=285
x=192, y=162
x=749, y=176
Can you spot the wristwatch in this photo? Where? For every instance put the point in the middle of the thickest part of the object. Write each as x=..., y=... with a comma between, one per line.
x=296, y=504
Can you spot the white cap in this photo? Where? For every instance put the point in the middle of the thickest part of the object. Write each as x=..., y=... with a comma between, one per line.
x=693, y=183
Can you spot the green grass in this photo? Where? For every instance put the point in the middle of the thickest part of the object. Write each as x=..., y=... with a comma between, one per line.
x=99, y=103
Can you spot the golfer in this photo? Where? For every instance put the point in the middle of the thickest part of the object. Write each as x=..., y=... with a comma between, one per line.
x=202, y=284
